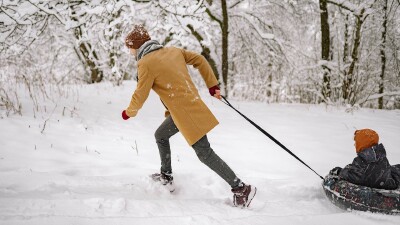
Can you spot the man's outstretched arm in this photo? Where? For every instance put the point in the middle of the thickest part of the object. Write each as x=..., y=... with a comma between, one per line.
x=144, y=85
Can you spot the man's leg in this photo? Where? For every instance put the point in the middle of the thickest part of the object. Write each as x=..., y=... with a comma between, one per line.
x=243, y=194
x=214, y=162
x=166, y=130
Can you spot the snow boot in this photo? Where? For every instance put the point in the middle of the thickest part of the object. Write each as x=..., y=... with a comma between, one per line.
x=243, y=194
x=165, y=178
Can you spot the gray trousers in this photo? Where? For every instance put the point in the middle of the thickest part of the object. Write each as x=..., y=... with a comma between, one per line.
x=202, y=148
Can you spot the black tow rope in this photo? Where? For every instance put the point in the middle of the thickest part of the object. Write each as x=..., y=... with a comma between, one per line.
x=268, y=135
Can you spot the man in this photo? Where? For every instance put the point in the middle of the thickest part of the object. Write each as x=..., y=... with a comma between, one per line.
x=165, y=71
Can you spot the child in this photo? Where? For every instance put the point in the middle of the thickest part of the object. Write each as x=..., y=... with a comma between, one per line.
x=370, y=168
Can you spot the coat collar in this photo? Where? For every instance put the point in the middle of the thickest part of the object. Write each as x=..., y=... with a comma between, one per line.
x=373, y=153
x=148, y=47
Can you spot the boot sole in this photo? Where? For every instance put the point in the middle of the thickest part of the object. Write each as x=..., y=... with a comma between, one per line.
x=251, y=195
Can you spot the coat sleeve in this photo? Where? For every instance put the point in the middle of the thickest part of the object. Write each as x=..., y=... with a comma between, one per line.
x=353, y=173
x=144, y=85
x=199, y=62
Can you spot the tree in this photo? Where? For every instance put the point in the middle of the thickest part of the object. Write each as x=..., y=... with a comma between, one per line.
x=359, y=12
x=383, y=54
x=224, y=25
x=84, y=20
x=85, y=50
x=325, y=48
x=272, y=51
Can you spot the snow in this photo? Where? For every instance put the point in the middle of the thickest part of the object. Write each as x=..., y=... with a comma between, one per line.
x=91, y=167
x=96, y=10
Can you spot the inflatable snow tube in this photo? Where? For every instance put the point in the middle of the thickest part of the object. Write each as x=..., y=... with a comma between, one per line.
x=350, y=196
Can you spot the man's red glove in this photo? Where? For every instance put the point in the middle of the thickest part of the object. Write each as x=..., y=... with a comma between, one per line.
x=124, y=116
x=215, y=91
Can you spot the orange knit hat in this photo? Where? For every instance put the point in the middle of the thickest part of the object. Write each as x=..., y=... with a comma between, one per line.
x=137, y=37
x=365, y=138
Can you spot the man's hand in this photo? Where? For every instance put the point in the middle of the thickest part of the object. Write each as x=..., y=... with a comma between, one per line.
x=215, y=91
x=124, y=116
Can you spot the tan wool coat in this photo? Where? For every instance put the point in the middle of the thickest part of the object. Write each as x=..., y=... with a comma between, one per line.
x=165, y=71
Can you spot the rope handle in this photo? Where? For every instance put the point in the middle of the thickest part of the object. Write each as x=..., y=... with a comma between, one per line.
x=226, y=102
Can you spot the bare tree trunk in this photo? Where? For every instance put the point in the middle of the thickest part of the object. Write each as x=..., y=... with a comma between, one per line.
x=348, y=80
x=224, y=24
x=345, y=53
x=325, y=48
x=225, y=33
x=346, y=40
x=96, y=74
x=383, y=55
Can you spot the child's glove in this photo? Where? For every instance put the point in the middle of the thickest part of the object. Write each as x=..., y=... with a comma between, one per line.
x=335, y=171
x=124, y=116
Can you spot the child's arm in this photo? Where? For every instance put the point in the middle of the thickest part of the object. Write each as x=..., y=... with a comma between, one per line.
x=352, y=173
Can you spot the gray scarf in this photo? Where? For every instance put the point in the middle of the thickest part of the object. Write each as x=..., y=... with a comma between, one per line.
x=148, y=47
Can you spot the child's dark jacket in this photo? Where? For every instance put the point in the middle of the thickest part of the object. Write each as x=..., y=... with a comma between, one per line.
x=371, y=168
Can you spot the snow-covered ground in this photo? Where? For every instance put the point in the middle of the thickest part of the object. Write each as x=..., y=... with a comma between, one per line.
x=80, y=163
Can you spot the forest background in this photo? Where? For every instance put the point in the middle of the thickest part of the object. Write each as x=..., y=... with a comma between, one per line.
x=334, y=52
